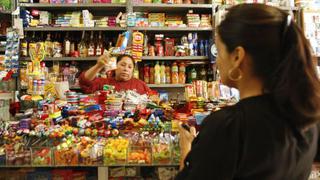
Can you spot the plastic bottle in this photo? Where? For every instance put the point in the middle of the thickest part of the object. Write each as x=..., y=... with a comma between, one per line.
x=157, y=77
x=136, y=71
x=151, y=73
x=182, y=73
x=146, y=72
x=174, y=74
x=193, y=74
x=203, y=73
x=162, y=73
x=168, y=74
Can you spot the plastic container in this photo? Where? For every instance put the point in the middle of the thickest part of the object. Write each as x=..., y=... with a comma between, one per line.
x=21, y=158
x=41, y=156
x=69, y=156
x=115, y=151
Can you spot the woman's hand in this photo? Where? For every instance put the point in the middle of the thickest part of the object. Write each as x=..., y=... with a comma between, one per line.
x=186, y=138
x=103, y=60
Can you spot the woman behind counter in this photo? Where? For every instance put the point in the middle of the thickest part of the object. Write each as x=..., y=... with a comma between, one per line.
x=123, y=79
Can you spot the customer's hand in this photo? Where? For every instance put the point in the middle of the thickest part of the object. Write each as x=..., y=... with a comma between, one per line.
x=186, y=138
x=103, y=60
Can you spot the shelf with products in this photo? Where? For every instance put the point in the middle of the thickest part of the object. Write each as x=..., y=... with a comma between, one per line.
x=104, y=6
x=63, y=58
x=174, y=58
x=74, y=29
x=286, y=8
x=172, y=28
x=167, y=85
x=155, y=7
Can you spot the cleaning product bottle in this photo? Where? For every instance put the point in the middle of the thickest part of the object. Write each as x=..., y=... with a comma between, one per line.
x=162, y=73
x=157, y=77
x=182, y=73
x=174, y=74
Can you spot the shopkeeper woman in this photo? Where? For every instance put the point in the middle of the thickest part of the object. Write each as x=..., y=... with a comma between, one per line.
x=271, y=133
x=122, y=80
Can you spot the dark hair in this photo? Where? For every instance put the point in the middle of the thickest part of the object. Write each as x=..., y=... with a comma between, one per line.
x=281, y=57
x=119, y=58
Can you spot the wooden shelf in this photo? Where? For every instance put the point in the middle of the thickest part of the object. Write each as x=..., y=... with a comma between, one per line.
x=74, y=29
x=174, y=58
x=153, y=7
x=280, y=7
x=64, y=59
x=166, y=85
x=172, y=29
x=102, y=6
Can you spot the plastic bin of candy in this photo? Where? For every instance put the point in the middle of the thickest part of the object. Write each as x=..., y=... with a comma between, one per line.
x=41, y=156
x=91, y=155
x=115, y=151
x=161, y=150
x=66, y=156
x=18, y=158
x=140, y=155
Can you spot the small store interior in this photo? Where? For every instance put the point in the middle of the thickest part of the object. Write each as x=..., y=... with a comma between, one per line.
x=51, y=127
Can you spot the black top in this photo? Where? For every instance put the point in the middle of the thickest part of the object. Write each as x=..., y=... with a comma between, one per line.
x=251, y=141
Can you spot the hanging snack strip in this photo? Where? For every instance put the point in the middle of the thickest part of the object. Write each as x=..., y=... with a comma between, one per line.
x=137, y=46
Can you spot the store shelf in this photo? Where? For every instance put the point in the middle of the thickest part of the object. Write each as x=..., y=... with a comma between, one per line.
x=280, y=7
x=102, y=6
x=166, y=85
x=63, y=59
x=74, y=29
x=172, y=29
x=174, y=58
x=152, y=7
x=119, y=165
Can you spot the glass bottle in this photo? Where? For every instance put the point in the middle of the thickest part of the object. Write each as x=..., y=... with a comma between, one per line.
x=48, y=46
x=66, y=45
x=99, y=47
x=168, y=74
x=82, y=46
x=203, y=73
x=162, y=73
x=157, y=77
x=91, y=47
x=193, y=74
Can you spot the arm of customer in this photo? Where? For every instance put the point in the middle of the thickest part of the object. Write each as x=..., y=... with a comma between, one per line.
x=88, y=81
x=214, y=151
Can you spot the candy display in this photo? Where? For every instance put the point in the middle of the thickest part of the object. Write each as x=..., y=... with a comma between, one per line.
x=115, y=151
x=41, y=156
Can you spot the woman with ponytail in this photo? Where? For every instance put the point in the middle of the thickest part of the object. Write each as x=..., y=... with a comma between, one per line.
x=271, y=133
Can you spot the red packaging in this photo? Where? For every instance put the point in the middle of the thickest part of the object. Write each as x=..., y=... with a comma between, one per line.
x=169, y=46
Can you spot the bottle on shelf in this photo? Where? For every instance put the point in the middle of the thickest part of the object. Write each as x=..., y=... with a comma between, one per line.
x=175, y=74
x=48, y=46
x=146, y=73
x=193, y=74
x=210, y=75
x=182, y=73
x=136, y=71
x=67, y=45
x=162, y=73
x=32, y=43
x=203, y=73
x=100, y=46
x=151, y=73
x=168, y=74
x=91, y=46
x=57, y=46
x=82, y=46
x=24, y=47
x=73, y=46
x=157, y=76
x=201, y=47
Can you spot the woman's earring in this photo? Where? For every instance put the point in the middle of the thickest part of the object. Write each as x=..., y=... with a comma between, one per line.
x=235, y=74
